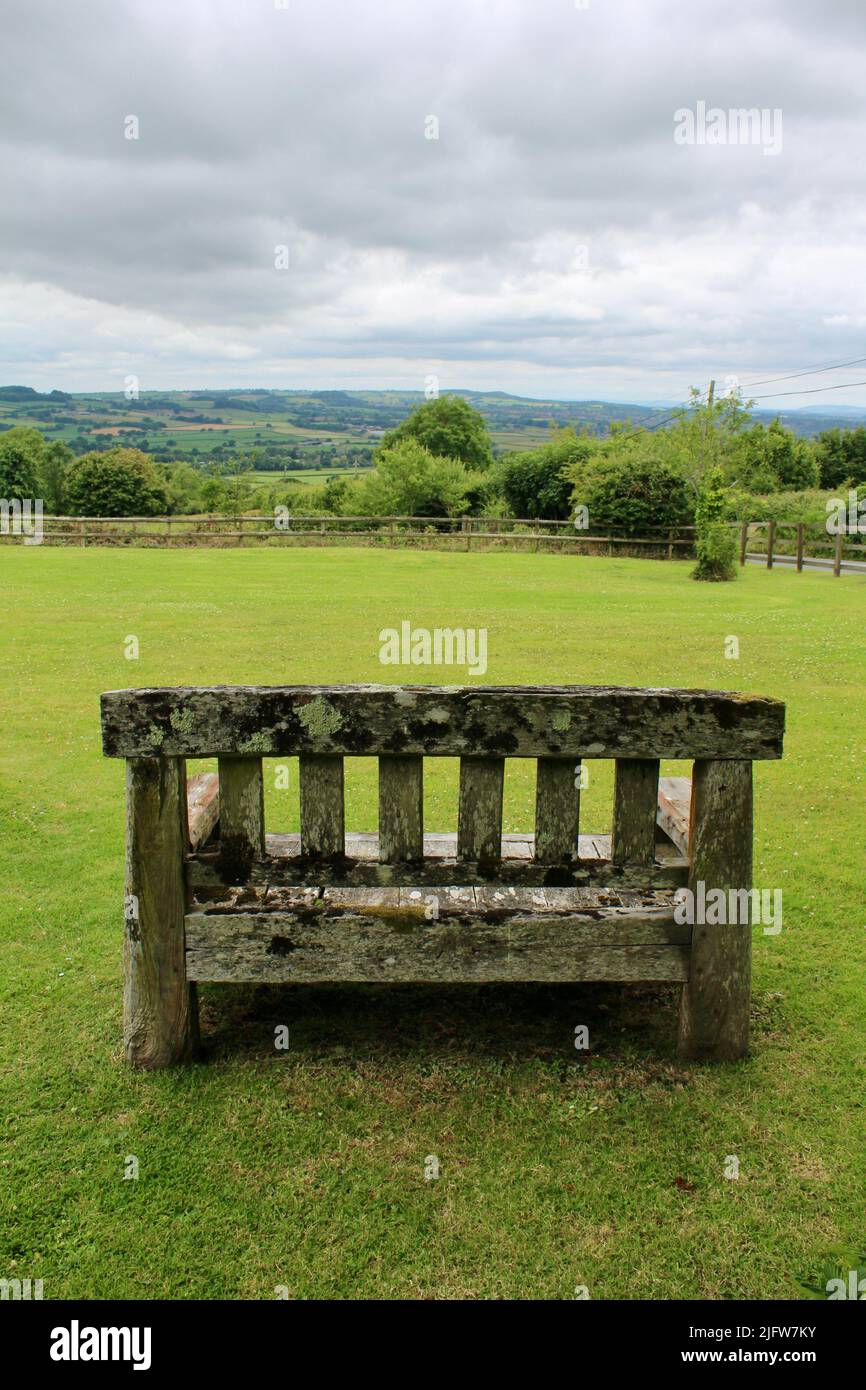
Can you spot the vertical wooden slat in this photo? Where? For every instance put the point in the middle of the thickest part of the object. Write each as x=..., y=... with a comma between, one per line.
x=323, y=832
x=800, y=536
x=744, y=537
x=714, y=1008
x=557, y=809
x=401, y=809
x=479, y=823
x=160, y=1021
x=242, y=808
x=635, y=801
x=837, y=555
x=771, y=541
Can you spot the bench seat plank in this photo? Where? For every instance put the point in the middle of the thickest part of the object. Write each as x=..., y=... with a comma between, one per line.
x=396, y=943
x=674, y=809
x=283, y=865
x=202, y=807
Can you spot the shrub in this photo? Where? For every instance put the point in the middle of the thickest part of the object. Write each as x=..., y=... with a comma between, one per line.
x=632, y=496
x=535, y=483
x=410, y=481
x=184, y=488
x=716, y=542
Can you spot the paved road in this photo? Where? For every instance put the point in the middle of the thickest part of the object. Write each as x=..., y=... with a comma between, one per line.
x=790, y=562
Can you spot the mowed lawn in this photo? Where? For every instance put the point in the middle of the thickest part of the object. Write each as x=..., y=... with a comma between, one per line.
x=305, y=1169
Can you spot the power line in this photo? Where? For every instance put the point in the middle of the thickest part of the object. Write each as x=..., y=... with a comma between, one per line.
x=806, y=371
x=658, y=424
x=772, y=395
x=811, y=391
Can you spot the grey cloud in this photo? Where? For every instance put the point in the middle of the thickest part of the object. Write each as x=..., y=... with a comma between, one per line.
x=305, y=126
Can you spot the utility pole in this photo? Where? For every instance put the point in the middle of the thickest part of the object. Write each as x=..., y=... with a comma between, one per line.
x=710, y=397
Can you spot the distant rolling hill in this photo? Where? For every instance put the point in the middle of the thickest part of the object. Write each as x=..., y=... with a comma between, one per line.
x=324, y=429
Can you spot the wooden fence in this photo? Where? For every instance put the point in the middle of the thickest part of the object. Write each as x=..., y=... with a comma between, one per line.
x=798, y=541
x=449, y=533
x=769, y=541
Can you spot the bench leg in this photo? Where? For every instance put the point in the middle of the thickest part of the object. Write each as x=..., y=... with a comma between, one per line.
x=160, y=1019
x=714, y=1007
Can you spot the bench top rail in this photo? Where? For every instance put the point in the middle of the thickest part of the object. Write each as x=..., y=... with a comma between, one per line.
x=440, y=721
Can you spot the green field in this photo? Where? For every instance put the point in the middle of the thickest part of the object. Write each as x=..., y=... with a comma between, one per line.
x=306, y=1168
x=261, y=479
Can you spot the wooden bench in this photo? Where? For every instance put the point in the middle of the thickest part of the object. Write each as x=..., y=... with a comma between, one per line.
x=211, y=897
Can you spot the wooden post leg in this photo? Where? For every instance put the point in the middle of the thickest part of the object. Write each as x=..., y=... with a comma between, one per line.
x=714, y=1008
x=160, y=1020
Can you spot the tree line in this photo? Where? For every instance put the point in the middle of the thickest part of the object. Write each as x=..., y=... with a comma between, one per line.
x=439, y=462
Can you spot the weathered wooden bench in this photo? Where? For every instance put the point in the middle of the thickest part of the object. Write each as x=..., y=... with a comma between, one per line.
x=211, y=897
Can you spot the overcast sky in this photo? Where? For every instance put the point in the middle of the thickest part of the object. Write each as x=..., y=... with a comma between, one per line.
x=554, y=240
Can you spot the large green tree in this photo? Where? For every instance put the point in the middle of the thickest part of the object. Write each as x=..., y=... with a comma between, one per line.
x=121, y=482
x=842, y=456
x=766, y=458
x=21, y=453
x=447, y=427
x=52, y=475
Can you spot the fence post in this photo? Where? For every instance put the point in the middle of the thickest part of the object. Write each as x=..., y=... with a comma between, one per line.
x=670, y=545
x=837, y=559
x=800, y=531
x=771, y=540
x=744, y=540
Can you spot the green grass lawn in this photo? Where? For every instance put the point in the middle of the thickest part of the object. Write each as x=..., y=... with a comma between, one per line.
x=306, y=1168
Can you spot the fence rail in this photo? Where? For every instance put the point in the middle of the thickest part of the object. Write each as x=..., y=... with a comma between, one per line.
x=769, y=541
x=800, y=541
x=456, y=533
